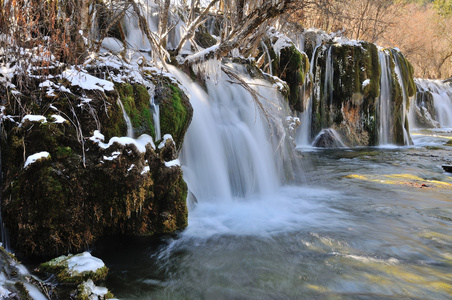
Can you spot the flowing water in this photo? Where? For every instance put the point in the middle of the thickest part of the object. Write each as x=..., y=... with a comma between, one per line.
x=360, y=228
x=363, y=223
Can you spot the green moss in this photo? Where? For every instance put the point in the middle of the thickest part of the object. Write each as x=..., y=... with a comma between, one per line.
x=59, y=267
x=292, y=68
x=136, y=101
x=174, y=115
x=63, y=152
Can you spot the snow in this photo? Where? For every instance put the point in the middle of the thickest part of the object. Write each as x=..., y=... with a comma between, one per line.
x=146, y=169
x=344, y=41
x=97, y=137
x=140, y=143
x=113, y=156
x=84, y=263
x=58, y=119
x=172, y=163
x=94, y=291
x=34, y=118
x=165, y=138
x=85, y=81
x=366, y=82
x=35, y=157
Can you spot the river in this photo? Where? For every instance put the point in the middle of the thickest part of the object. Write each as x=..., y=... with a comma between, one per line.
x=364, y=223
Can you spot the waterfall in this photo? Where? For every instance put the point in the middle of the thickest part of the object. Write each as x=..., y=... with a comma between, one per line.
x=304, y=132
x=127, y=119
x=156, y=116
x=385, y=103
x=442, y=99
x=270, y=66
x=406, y=138
x=329, y=74
x=228, y=152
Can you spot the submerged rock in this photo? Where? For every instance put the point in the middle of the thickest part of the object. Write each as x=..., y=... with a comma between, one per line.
x=328, y=138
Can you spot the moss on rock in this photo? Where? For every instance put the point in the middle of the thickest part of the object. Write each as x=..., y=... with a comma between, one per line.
x=176, y=113
x=82, y=191
x=74, y=269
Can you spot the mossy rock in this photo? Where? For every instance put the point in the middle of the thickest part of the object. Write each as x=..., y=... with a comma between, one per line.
x=136, y=101
x=87, y=291
x=344, y=102
x=176, y=113
x=293, y=69
x=74, y=269
x=83, y=191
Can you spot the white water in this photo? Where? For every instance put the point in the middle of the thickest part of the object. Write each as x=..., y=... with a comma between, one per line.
x=329, y=75
x=385, y=103
x=304, y=132
x=442, y=97
x=156, y=116
x=406, y=139
x=232, y=163
x=127, y=119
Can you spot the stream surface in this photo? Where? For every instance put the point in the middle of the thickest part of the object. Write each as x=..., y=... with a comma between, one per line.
x=365, y=223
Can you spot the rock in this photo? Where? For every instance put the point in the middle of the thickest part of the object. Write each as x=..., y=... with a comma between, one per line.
x=346, y=91
x=95, y=181
x=328, y=138
x=17, y=283
x=74, y=269
x=87, y=290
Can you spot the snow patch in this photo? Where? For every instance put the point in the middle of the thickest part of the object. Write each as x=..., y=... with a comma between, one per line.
x=58, y=119
x=84, y=263
x=165, y=138
x=35, y=157
x=140, y=143
x=172, y=163
x=366, y=82
x=34, y=118
x=87, y=81
x=113, y=156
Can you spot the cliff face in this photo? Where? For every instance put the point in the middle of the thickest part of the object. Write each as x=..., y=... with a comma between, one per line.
x=355, y=92
x=72, y=175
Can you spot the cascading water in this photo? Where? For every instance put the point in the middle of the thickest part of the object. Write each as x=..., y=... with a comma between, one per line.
x=442, y=99
x=127, y=119
x=385, y=102
x=329, y=75
x=304, y=132
x=406, y=137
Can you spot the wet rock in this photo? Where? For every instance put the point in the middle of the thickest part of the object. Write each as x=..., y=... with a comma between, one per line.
x=95, y=181
x=328, y=138
x=74, y=269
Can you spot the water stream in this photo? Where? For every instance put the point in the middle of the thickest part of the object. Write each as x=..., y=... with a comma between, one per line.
x=365, y=223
